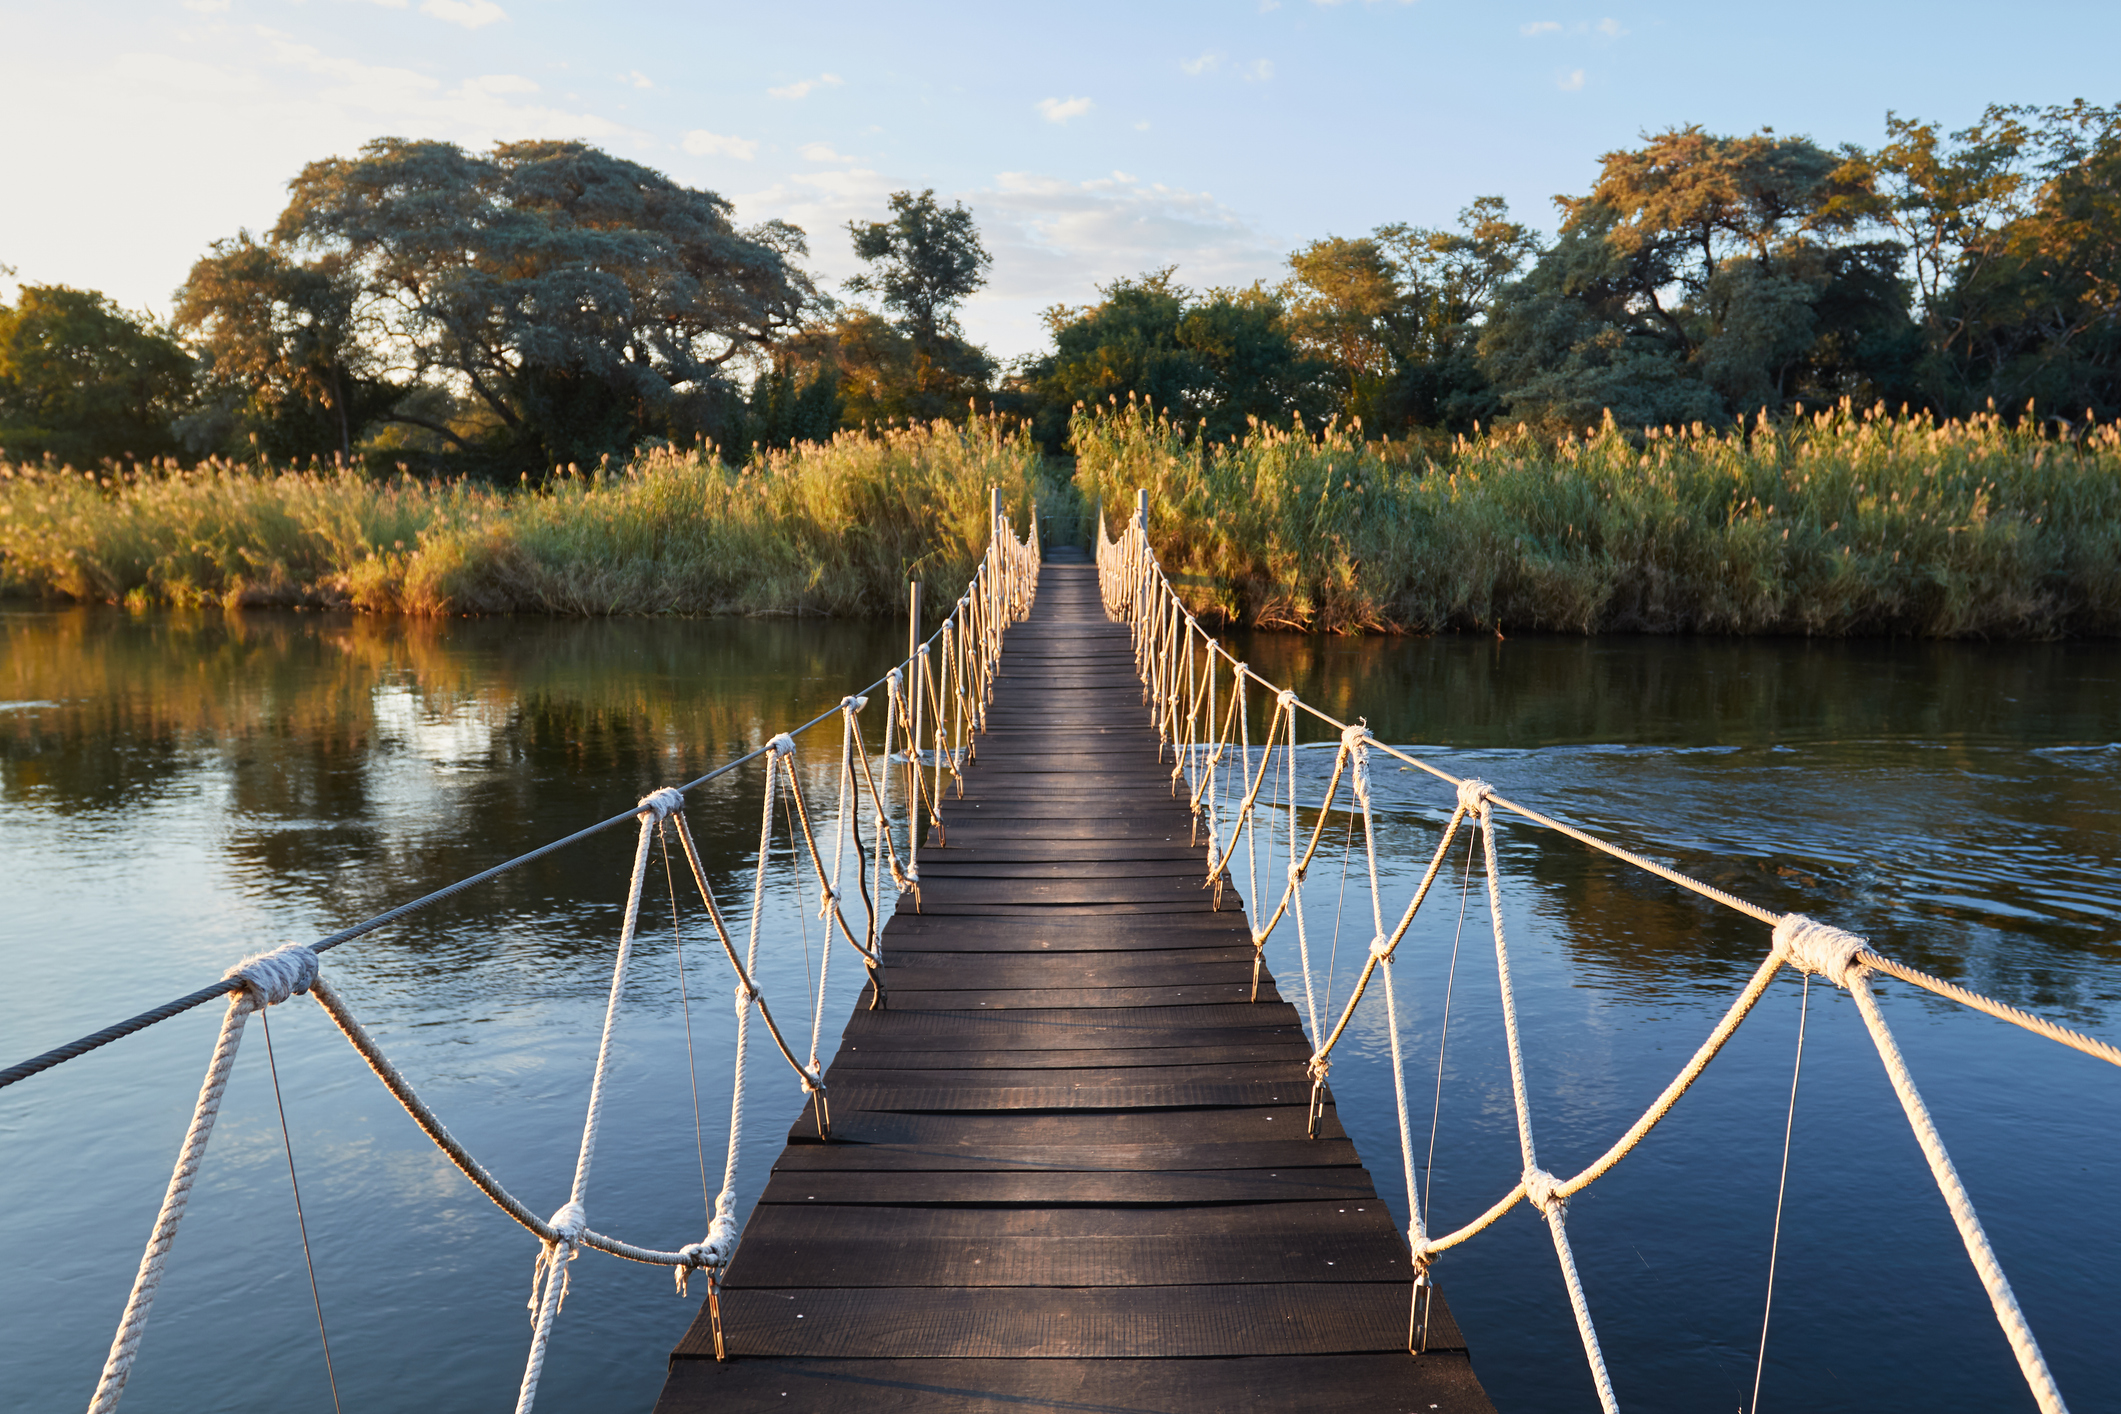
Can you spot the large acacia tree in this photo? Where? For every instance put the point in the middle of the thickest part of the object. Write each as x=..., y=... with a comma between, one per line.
x=543, y=302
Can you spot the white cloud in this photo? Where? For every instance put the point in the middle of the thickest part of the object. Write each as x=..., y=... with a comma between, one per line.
x=1268, y=7
x=1060, y=110
x=1570, y=82
x=1610, y=28
x=1539, y=27
x=701, y=143
x=636, y=79
x=803, y=88
x=472, y=14
x=1260, y=71
x=490, y=84
x=206, y=7
x=1142, y=126
x=1206, y=63
x=1053, y=240
x=821, y=152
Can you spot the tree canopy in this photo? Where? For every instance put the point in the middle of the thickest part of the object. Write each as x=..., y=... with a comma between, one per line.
x=83, y=381
x=541, y=303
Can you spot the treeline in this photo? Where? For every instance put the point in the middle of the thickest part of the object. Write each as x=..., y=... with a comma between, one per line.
x=546, y=304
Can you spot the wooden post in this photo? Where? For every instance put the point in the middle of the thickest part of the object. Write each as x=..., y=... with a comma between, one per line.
x=915, y=694
x=1141, y=508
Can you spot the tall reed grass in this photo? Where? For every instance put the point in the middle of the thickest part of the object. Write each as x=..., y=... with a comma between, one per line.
x=834, y=528
x=1836, y=523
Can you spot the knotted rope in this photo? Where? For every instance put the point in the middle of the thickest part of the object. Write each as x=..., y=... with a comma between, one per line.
x=267, y=980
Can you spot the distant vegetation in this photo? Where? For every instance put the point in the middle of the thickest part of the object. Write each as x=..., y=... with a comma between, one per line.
x=1831, y=524
x=826, y=528
x=386, y=399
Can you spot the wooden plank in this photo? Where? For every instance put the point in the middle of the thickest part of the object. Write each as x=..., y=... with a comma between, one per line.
x=1347, y=1384
x=1288, y=1073
x=1199, y=994
x=1040, y=1323
x=911, y=1158
x=1111, y=1189
x=1245, y=1224
x=854, y=1058
x=1081, y=1128
x=891, y=1261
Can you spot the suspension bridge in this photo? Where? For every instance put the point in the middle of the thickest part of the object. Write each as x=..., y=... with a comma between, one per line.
x=1078, y=1148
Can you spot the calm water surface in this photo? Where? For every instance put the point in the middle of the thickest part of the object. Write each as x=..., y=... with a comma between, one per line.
x=178, y=790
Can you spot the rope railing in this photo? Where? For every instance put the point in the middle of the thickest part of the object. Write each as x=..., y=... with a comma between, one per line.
x=937, y=696
x=1198, y=697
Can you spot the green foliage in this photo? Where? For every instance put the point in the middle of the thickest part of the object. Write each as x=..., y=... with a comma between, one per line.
x=1217, y=362
x=543, y=304
x=1703, y=277
x=1396, y=313
x=1831, y=524
x=827, y=528
x=925, y=261
x=83, y=381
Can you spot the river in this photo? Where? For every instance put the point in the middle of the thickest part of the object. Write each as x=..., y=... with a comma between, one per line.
x=177, y=790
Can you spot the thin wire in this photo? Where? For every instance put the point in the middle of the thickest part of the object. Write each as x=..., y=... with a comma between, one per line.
x=302, y=1223
x=1340, y=902
x=1782, y=1184
x=1465, y=890
x=802, y=910
x=692, y=1072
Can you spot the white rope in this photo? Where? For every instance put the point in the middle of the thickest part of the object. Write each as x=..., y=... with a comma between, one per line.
x=268, y=979
x=2031, y=1363
x=549, y=1278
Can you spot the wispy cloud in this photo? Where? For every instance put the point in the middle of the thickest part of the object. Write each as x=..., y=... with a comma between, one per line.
x=1570, y=82
x=1259, y=71
x=1207, y=62
x=701, y=143
x=803, y=88
x=1610, y=28
x=636, y=79
x=1539, y=27
x=471, y=14
x=821, y=152
x=1060, y=110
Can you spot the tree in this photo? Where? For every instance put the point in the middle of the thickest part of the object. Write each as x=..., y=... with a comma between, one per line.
x=1396, y=314
x=1215, y=361
x=84, y=381
x=543, y=303
x=283, y=366
x=2013, y=226
x=926, y=260
x=1705, y=276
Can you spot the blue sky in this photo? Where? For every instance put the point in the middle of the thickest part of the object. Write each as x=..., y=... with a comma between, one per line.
x=1091, y=140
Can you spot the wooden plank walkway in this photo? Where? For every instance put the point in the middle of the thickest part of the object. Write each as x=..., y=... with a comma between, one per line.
x=1068, y=1167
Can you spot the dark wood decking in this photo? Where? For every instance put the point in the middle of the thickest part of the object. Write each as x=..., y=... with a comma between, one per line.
x=1068, y=1167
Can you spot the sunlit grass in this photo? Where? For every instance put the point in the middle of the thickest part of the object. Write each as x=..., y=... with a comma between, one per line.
x=832, y=529
x=1835, y=523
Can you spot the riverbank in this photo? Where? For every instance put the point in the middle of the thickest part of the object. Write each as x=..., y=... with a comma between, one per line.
x=1833, y=525
x=833, y=529
x=1836, y=524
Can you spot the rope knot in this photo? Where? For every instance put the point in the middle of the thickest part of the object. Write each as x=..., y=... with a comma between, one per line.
x=1381, y=948
x=893, y=681
x=1472, y=794
x=853, y=704
x=1259, y=941
x=711, y=1253
x=813, y=1081
x=1355, y=741
x=1286, y=699
x=662, y=804
x=784, y=744
x=1296, y=873
x=1316, y=1068
x=1543, y=1191
x=569, y=1222
x=745, y=996
x=1238, y=670
x=272, y=977
x=1822, y=948
x=828, y=900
